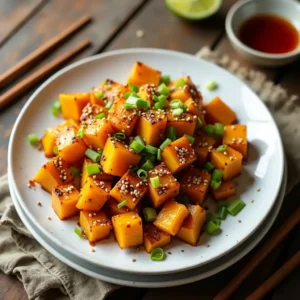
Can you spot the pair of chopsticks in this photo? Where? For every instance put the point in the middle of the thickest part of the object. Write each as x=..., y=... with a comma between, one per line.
x=278, y=276
x=44, y=71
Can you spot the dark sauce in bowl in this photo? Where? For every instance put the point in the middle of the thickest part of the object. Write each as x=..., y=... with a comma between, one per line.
x=269, y=33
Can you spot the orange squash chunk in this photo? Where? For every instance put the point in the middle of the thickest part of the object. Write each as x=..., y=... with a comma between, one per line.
x=192, y=225
x=128, y=229
x=155, y=238
x=54, y=173
x=236, y=137
x=96, y=226
x=226, y=190
x=229, y=161
x=171, y=217
x=64, y=200
x=96, y=132
x=202, y=145
x=195, y=184
x=112, y=208
x=219, y=112
x=151, y=127
x=142, y=74
x=130, y=188
x=101, y=176
x=122, y=119
x=91, y=110
x=147, y=91
x=169, y=187
x=70, y=147
x=93, y=195
x=73, y=104
x=117, y=157
x=192, y=108
x=178, y=155
x=184, y=124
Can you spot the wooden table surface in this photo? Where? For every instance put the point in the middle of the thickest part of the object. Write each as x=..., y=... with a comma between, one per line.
x=27, y=24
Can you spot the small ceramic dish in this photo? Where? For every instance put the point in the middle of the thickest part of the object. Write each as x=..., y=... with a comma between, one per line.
x=245, y=9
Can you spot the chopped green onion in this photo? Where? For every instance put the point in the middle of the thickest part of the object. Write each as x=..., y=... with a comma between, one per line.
x=155, y=98
x=211, y=85
x=78, y=232
x=129, y=106
x=99, y=151
x=136, y=146
x=157, y=106
x=108, y=87
x=150, y=149
x=162, y=101
x=180, y=83
x=93, y=155
x=120, y=135
x=211, y=228
x=157, y=254
x=149, y=214
x=99, y=95
x=163, y=89
x=221, y=204
x=33, y=139
x=155, y=182
x=123, y=203
x=171, y=133
x=126, y=95
x=148, y=156
x=165, y=144
x=55, y=150
x=209, y=166
x=199, y=123
x=176, y=103
x=139, y=140
x=183, y=199
x=99, y=116
x=219, y=129
x=148, y=165
x=75, y=171
x=235, y=207
x=215, y=184
x=104, y=82
x=108, y=105
x=212, y=218
x=80, y=132
x=144, y=104
x=190, y=138
x=210, y=130
x=133, y=88
x=56, y=108
x=177, y=112
x=158, y=154
x=142, y=174
x=221, y=148
x=217, y=175
x=92, y=169
x=166, y=79
x=223, y=213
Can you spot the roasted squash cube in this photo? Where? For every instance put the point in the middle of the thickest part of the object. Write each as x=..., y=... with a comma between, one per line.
x=101, y=176
x=218, y=111
x=96, y=132
x=121, y=119
x=171, y=217
x=142, y=74
x=229, y=161
x=151, y=127
x=96, y=226
x=117, y=157
x=112, y=209
x=194, y=184
x=147, y=91
x=236, y=137
x=178, y=155
x=169, y=187
x=203, y=145
x=54, y=173
x=70, y=147
x=73, y=104
x=93, y=195
x=155, y=238
x=184, y=124
x=192, y=108
x=192, y=225
x=92, y=110
x=226, y=190
x=64, y=200
x=128, y=229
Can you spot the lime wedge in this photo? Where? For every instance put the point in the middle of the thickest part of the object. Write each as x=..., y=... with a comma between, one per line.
x=193, y=9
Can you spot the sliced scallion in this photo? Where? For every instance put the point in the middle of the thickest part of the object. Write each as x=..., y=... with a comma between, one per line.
x=210, y=130
x=221, y=148
x=211, y=85
x=33, y=139
x=121, y=204
x=163, y=89
x=235, y=207
x=199, y=123
x=120, y=135
x=150, y=149
x=209, y=167
x=93, y=155
x=165, y=144
x=136, y=146
x=133, y=88
x=55, y=150
x=99, y=116
x=108, y=105
x=212, y=218
x=56, y=108
x=166, y=79
x=80, y=133
x=219, y=129
x=129, y=106
x=92, y=169
x=177, y=112
x=99, y=95
x=155, y=182
x=78, y=232
x=148, y=165
x=75, y=171
x=217, y=175
x=149, y=214
x=215, y=184
x=158, y=154
x=211, y=228
x=223, y=213
x=180, y=83
x=139, y=140
x=157, y=254
x=190, y=138
x=141, y=173
x=171, y=133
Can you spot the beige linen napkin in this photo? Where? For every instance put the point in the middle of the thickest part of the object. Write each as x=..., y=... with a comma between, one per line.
x=40, y=272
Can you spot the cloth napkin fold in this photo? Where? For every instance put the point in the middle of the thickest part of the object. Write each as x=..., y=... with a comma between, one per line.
x=40, y=272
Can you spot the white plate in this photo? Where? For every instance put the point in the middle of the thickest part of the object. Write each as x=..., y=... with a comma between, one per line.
x=154, y=281
x=265, y=158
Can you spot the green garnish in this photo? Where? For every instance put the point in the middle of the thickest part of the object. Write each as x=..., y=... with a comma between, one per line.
x=221, y=148
x=166, y=79
x=217, y=175
x=171, y=133
x=165, y=144
x=80, y=133
x=212, y=218
x=180, y=83
x=121, y=204
x=150, y=149
x=221, y=204
x=155, y=182
x=157, y=254
x=210, y=130
x=139, y=140
x=108, y=105
x=158, y=154
x=78, y=232
x=148, y=165
x=99, y=116
x=33, y=139
x=211, y=85
x=136, y=146
x=235, y=207
x=141, y=173
x=215, y=184
x=183, y=199
x=223, y=213
x=99, y=95
x=176, y=103
x=129, y=106
x=149, y=214
x=219, y=129
x=56, y=109
x=93, y=155
x=133, y=88
x=199, y=123
x=55, y=150
x=190, y=138
x=120, y=135
x=211, y=228
x=177, y=112
x=163, y=89
x=209, y=167
x=75, y=171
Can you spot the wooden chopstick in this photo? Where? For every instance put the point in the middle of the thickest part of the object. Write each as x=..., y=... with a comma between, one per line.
x=276, y=278
x=40, y=52
x=269, y=245
x=32, y=79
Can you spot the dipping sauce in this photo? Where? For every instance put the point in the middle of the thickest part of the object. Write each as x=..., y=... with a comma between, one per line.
x=269, y=33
